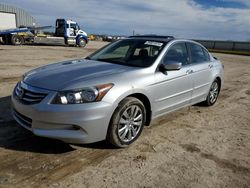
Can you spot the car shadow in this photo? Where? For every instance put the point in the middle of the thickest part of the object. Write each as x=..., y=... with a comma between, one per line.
x=98, y=145
x=15, y=137
x=201, y=104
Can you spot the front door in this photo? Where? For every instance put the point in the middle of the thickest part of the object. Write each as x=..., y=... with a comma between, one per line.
x=173, y=89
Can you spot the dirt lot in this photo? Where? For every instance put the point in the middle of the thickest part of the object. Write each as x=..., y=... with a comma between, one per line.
x=193, y=147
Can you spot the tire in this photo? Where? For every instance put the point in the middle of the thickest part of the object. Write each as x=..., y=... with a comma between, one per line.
x=17, y=40
x=6, y=39
x=213, y=93
x=129, y=125
x=82, y=42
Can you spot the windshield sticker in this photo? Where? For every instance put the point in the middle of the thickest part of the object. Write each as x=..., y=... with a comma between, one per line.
x=153, y=43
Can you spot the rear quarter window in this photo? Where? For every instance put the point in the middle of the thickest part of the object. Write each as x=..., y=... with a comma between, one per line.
x=207, y=56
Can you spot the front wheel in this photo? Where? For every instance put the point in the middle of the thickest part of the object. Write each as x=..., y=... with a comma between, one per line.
x=82, y=42
x=127, y=122
x=213, y=93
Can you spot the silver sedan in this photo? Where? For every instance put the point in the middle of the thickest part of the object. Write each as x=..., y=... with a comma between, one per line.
x=115, y=92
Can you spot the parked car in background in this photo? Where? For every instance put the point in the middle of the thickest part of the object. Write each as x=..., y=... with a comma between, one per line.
x=115, y=92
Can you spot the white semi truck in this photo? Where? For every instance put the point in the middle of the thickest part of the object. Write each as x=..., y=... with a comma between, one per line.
x=67, y=32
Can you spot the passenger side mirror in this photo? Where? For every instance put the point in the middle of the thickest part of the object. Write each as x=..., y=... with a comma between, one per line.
x=170, y=66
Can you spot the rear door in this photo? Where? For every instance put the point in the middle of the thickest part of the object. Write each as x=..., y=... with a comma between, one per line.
x=201, y=71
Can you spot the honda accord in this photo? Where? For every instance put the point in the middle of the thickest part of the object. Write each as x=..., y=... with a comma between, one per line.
x=116, y=91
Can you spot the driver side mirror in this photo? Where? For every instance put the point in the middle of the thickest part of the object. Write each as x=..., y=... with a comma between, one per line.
x=170, y=66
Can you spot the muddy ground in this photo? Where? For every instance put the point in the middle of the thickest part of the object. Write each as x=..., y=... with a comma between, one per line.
x=193, y=147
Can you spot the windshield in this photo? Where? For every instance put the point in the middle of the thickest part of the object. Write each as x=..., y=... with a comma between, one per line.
x=130, y=52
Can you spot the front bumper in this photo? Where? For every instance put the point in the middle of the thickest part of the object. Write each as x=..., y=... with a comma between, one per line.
x=77, y=123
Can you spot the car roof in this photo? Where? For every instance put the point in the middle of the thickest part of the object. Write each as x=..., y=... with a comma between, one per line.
x=163, y=38
x=153, y=37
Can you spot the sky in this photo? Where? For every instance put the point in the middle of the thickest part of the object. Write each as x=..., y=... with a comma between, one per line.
x=193, y=19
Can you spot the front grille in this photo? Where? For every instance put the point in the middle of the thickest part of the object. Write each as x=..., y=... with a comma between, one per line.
x=23, y=120
x=27, y=95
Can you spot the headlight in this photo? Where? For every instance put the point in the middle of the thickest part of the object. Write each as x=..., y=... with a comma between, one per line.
x=85, y=95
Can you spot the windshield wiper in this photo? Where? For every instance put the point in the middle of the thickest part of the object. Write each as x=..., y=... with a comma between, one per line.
x=119, y=62
x=111, y=61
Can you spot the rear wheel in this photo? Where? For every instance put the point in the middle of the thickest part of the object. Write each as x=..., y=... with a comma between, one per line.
x=127, y=122
x=17, y=40
x=213, y=93
x=6, y=39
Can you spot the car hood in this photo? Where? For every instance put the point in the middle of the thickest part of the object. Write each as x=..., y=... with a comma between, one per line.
x=61, y=75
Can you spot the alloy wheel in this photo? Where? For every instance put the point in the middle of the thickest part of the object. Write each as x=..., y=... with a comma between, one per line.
x=214, y=91
x=130, y=123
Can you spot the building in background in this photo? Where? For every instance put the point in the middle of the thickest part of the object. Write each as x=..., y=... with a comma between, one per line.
x=12, y=17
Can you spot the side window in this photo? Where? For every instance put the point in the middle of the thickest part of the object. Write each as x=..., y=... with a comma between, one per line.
x=197, y=53
x=73, y=26
x=177, y=52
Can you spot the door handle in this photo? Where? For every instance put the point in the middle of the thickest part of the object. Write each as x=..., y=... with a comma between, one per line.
x=189, y=71
x=210, y=66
